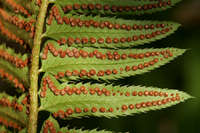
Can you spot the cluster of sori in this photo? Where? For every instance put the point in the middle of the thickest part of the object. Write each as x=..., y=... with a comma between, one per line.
x=11, y=78
x=10, y=124
x=17, y=7
x=165, y=97
x=77, y=22
x=106, y=72
x=13, y=104
x=26, y=102
x=49, y=127
x=157, y=55
x=28, y=26
x=10, y=35
x=78, y=53
x=19, y=63
x=18, y=26
x=114, y=8
x=108, y=40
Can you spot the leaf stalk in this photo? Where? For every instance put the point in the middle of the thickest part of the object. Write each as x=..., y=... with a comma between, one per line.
x=33, y=91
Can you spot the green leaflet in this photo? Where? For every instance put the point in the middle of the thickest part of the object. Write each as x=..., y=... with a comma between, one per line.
x=121, y=7
x=117, y=33
x=102, y=63
x=14, y=64
x=9, y=111
x=21, y=17
x=24, y=7
x=81, y=100
x=55, y=127
x=29, y=5
x=18, y=25
x=19, y=33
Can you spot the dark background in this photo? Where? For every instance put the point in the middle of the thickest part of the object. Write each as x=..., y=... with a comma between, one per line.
x=183, y=74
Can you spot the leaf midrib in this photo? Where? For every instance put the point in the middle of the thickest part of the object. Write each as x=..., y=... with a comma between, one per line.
x=88, y=101
x=49, y=68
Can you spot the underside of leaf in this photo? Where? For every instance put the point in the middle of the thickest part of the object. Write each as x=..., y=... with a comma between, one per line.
x=22, y=27
x=14, y=67
x=70, y=63
x=121, y=7
x=52, y=125
x=81, y=31
x=80, y=100
x=17, y=28
x=12, y=113
x=24, y=7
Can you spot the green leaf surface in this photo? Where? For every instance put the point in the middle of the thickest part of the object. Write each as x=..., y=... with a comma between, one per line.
x=81, y=100
x=55, y=127
x=29, y=5
x=14, y=27
x=126, y=34
x=14, y=64
x=124, y=63
x=9, y=111
x=26, y=7
x=130, y=7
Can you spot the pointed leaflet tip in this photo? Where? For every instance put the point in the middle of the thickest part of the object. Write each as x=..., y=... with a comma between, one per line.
x=99, y=100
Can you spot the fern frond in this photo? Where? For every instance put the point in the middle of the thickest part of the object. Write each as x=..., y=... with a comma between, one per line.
x=121, y=7
x=72, y=63
x=9, y=55
x=23, y=27
x=21, y=36
x=10, y=35
x=14, y=67
x=80, y=100
x=52, y=125
x=12, y=112
x=29, y=5
x=97, y=31
x=18, y=7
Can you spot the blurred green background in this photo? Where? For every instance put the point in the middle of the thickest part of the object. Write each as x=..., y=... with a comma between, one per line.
x=183, y=74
